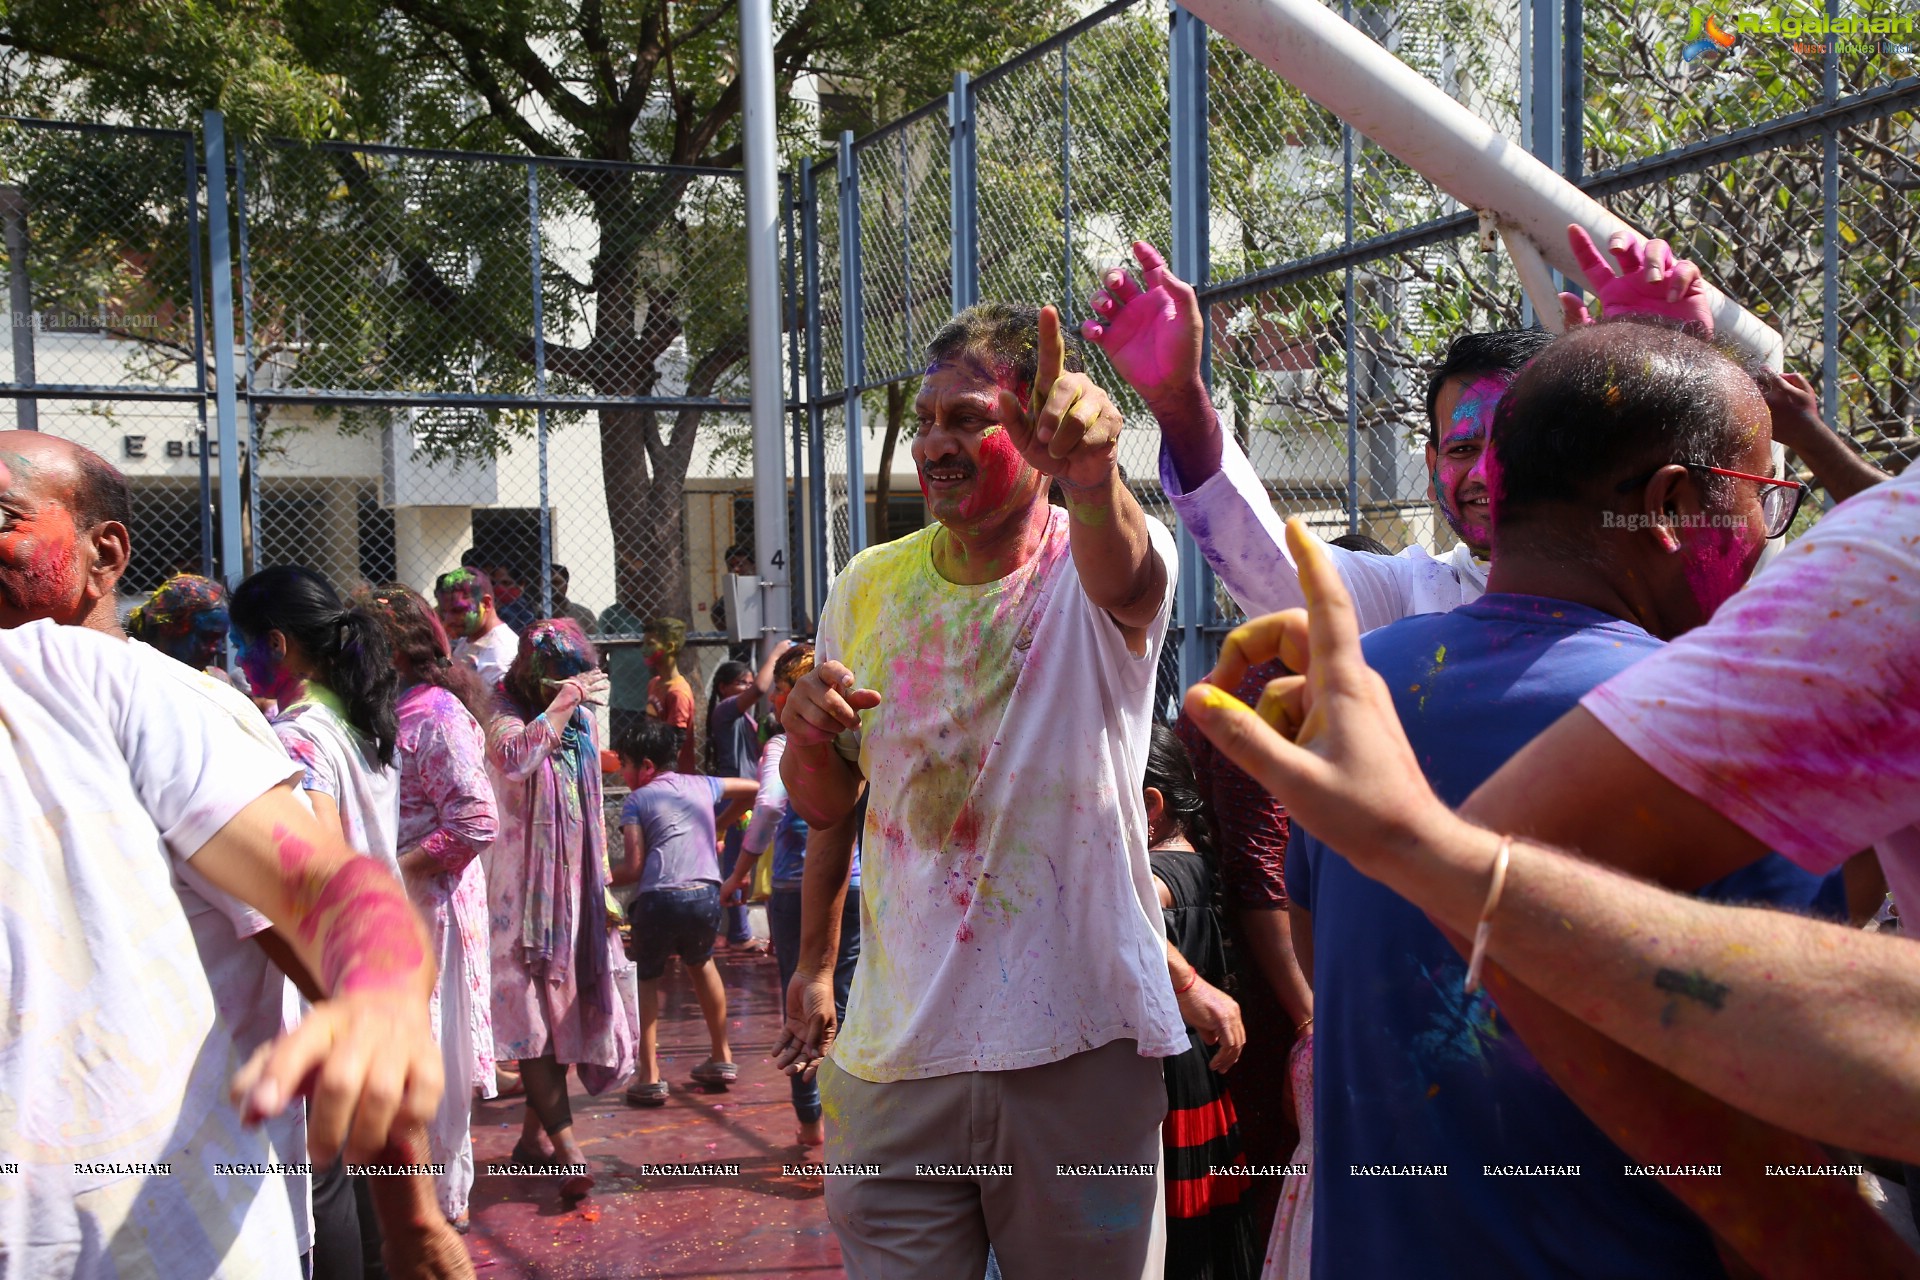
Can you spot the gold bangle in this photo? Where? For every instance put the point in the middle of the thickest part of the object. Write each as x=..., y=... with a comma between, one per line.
x=1483, y=930
x=1301, y=1029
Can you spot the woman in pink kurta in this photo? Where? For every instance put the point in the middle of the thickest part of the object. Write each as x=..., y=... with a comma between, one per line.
x=447, y=819
x=555, y=1000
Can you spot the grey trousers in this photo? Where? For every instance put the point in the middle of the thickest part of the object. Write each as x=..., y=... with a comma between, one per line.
x=932, y=1209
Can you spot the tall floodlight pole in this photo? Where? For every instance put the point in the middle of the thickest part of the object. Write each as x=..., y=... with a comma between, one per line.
x=772, y=556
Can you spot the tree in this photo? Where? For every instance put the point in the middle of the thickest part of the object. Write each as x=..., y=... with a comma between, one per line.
x=377, y=273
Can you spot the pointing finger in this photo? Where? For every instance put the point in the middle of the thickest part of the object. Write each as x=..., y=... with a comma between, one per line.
x=1153, y=267
x=1593, y=264
x=1053, y=357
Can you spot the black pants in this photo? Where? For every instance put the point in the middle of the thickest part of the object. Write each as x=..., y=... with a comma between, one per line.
x=346, y=1235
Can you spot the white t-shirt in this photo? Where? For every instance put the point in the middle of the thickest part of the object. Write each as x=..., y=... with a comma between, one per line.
x=113, y=1052
x=1796, y=711
x=1008, y=916
x=1244, y=539
x=367, y=795
x=491, y=654
x=250, y=993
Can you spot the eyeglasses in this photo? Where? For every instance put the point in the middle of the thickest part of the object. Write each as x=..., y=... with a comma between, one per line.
x=1779, y=499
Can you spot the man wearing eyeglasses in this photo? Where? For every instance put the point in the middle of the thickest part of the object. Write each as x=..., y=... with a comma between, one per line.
x=1630, y=464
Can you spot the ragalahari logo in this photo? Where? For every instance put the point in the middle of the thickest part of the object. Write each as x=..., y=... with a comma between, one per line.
x=1708, y=37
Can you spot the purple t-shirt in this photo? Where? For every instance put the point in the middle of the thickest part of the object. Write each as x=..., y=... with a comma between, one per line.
x=675, y=814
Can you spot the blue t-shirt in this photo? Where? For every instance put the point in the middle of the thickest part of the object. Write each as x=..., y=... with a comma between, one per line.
x=1411, y=1072
x=675, y=813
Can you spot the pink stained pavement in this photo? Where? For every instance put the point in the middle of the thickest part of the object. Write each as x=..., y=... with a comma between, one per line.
x=759, y=1223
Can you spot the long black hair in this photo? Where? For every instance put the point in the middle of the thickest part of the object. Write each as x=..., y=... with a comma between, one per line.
x=1170, y=772
x=347, y=647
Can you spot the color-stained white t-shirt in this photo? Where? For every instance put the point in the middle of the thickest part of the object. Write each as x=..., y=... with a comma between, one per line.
x=250, y=994
x=114, y=1059
x=1244, y=539
x=1795, y=712
x=1008, y=916
x=491, y=654
x=366, y=793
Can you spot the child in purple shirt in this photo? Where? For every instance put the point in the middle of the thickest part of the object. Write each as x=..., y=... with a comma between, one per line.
x=669, y=826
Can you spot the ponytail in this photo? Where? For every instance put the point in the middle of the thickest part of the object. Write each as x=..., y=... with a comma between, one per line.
x=359, y=669
x=348, y=648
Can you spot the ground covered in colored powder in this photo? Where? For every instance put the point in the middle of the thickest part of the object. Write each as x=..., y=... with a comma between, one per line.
x=757, y=1223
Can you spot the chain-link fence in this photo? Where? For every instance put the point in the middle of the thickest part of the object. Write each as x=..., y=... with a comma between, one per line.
x=1332, y=274
x=535, y=365
x=102, y=251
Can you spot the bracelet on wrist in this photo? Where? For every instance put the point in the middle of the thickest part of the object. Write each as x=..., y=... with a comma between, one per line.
x=1180, y=991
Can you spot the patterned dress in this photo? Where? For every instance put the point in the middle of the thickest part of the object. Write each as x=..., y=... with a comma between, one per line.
x=555, y=988
x=447, y=812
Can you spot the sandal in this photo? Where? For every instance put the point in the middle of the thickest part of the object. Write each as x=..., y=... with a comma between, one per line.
x=576, y=1186
x=718, y=1074
x=533, y=1159
x=642, y=1094
x=507, y=1084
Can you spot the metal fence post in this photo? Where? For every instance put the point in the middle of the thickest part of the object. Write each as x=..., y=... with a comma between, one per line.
x=246, y=352
x=220, y=263
x=1187, y=121
x=1348, y=302
x=816, y=434
x=1573, y=95
x=198, y=289
x=13, y=212
x=965, y=191
x=1830, y=239
x=1066, y=191
x=853, y=342
x=790, y=317
x=540, y=389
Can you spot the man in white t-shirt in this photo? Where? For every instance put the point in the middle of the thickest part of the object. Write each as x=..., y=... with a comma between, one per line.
x=54, y=484
x=993, y=676
x=131, y=1158
x=464, y=600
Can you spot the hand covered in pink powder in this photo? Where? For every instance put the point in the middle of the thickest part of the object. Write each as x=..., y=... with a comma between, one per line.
x=1151, y=329
x=1652, y=282
x=1070, y=428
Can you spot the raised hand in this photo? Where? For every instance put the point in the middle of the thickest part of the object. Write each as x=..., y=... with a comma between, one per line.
x=824, y=704
x=1651, y=282
x=1150, y=329
x=1070, y=428
x=589, y=687
x=1327, y=742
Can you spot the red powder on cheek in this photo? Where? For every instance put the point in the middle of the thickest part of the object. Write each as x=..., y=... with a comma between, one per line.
x=999, y=465
x=39, y=571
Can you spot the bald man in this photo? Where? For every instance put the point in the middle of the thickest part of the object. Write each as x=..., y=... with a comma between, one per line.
x=65, y=541
x=64, y=545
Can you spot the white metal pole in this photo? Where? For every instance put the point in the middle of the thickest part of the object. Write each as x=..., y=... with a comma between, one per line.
x=1407, y=115
x=772, y=556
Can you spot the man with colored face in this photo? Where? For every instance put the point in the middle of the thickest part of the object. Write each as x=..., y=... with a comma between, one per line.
x=186, y=619
x=1633, y=503
x=64, y=514
x=987, y=684
x=1151, y=330
x=464, y=600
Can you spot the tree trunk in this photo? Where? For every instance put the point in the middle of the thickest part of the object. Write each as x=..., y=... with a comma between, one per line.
x=883, y=479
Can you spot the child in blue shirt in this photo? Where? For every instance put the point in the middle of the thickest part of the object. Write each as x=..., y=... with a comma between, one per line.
x=669, y=825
